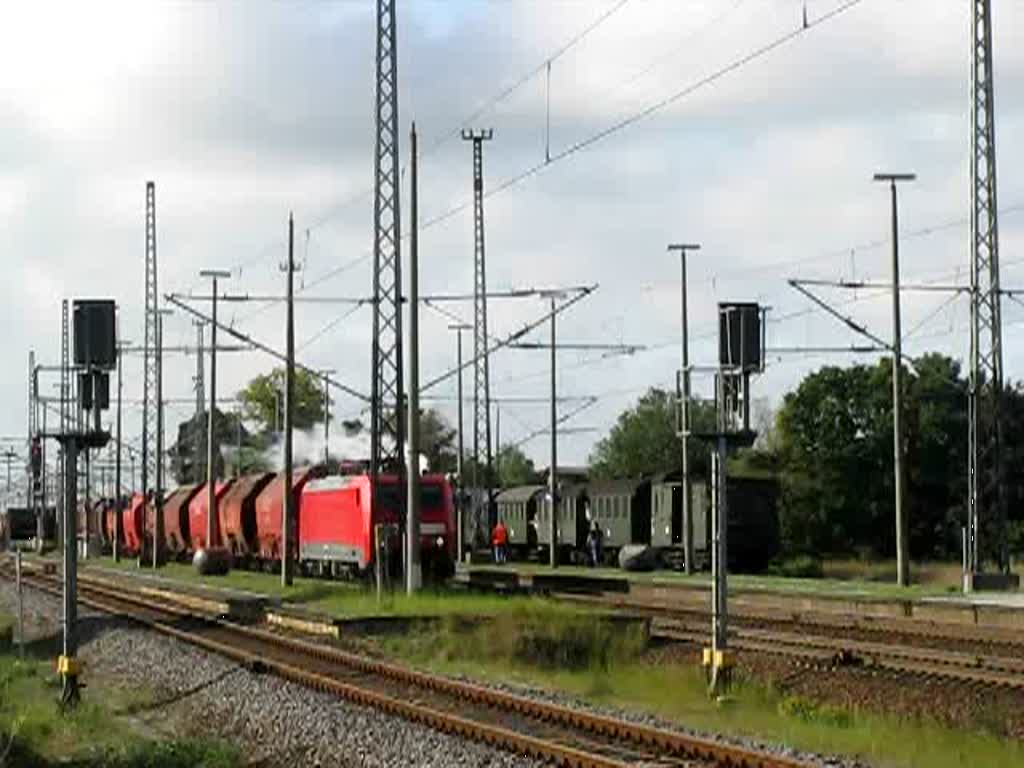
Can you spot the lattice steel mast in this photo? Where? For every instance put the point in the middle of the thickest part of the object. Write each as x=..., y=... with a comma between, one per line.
x=481, y=366
x=986, y=501
x=65, y=397
x=149, y=358
x=386, y=425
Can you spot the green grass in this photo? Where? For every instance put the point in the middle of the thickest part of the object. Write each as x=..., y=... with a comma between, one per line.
x=342, y=599
x=616, y=676
x=34, y=731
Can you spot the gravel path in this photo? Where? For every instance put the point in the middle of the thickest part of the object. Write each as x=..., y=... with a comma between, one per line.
x=277, y=722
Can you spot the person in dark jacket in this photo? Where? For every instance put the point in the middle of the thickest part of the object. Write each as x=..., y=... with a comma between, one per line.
x=595, y=540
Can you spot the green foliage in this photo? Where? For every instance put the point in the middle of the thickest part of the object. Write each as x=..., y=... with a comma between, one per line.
x=797, y=566
x=34, y=732
x=263, y=400
x=514, y=467
x=167, y=754
x=643, y=440
x=531, y=633
x=437, y=441
x=835, y=458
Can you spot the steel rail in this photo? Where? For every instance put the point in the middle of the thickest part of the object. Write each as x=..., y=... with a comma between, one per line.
x=843, y=654
x=668, y=744
x=1007, y=640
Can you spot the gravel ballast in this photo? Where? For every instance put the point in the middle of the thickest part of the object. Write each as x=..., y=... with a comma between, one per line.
x=278, y=723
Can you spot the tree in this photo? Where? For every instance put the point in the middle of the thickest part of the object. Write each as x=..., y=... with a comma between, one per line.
x=437, y=441
x=835, y=455
x=190, y=467
x=263, y=400
x=644, y=442
x=514, y=467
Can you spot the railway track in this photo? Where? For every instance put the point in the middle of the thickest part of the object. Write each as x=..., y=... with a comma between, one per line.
x=836, y=641
x=558, y=734
x=838, y=652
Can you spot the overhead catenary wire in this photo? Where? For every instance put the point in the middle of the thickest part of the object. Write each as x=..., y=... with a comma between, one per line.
x=647, y=111
x=501, y=95
x=614, y=128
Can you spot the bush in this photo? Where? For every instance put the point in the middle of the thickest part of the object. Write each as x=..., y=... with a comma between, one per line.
x=544, y=638
x=798, y=567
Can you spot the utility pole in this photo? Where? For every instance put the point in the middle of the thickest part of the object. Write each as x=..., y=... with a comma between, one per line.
x=200, y=386
x=158, y=500
x=553, y=473
x=902, y=544
x=497, y=442
x=387, y=430
x=413, y=574
x=288, y=522
x=986, y=495
x=459, y=536
x=684, y=392
x=238, y=441
x=481, y=366
x=67, y=663
x=115, y=545
x=211, y=437
x=33, y=436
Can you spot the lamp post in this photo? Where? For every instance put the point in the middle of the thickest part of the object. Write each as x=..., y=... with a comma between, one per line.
x=211, y=475
x=459, y=543
x=902, y=545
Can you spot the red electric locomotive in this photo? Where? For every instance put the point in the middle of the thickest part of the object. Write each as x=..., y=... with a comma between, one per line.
x=336, y=529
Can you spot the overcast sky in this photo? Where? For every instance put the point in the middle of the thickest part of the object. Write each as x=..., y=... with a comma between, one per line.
x=241, y=112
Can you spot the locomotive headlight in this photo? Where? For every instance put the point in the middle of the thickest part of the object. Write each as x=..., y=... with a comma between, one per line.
x=440, y=541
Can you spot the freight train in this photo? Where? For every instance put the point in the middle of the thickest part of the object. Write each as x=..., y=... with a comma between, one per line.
x=646, y=512
x=336, y=532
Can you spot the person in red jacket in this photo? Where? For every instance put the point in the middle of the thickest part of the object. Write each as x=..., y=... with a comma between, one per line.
x=500, y=541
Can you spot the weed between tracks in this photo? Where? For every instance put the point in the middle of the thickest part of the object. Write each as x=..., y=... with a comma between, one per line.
x=34, y=733
x=586, y=657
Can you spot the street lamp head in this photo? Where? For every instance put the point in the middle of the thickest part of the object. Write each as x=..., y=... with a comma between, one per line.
x=552, y=294
x=683, y=247
x=459, y=327
x=214, y=273
x=894, y=177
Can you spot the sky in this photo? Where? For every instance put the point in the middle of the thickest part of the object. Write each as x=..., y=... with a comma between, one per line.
x=243, y=112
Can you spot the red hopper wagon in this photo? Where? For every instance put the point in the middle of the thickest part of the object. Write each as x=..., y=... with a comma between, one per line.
x=197, y=514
